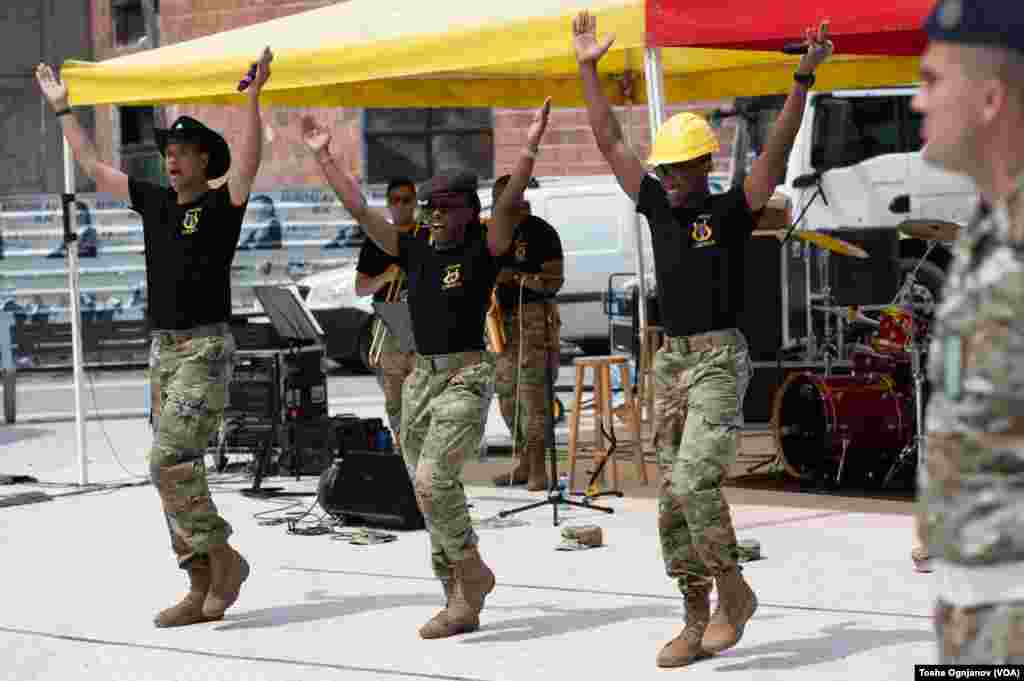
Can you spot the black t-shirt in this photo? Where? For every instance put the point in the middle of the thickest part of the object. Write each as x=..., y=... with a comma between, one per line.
x=449, y=291
x=535, y=243
x=699, y=257
x=373, y=262
x=189, y=249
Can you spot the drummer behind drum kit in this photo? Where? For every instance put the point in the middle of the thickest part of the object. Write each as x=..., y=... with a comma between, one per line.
x=867, y=423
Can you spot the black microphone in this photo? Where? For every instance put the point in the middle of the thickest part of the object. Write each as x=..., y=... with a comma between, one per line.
x=796, y=48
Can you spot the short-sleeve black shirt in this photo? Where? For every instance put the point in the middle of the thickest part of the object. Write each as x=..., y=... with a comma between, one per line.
x=534, y=243
x=373, y=262
x=699, y=255
x=189, y=249
x=449, y=291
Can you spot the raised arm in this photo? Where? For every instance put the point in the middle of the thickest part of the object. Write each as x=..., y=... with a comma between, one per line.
x=250, y=151
x=505, y=214
x=318, y=139
x=109, y=179
x=769, y=166
x=627, y=168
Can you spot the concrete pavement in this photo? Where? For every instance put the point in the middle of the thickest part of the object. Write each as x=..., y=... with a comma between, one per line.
x=85, y=572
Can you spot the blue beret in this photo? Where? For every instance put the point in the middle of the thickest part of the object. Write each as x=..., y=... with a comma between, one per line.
x=983, y=23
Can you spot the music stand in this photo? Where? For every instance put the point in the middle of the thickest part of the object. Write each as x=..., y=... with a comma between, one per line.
x=556, y=495
x=296, y=326
x=398, y=319
x=290, y=317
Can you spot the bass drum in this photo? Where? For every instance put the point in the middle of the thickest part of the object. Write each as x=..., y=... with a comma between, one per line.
x=817, y=418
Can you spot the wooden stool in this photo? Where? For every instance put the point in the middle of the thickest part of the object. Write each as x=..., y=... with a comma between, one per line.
x=603, y=414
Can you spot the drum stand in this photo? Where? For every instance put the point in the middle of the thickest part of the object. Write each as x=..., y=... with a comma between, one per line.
x=911, y=452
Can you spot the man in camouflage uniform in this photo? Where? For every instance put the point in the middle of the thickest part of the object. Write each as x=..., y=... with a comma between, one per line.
x=972, y=478
x=531, y=325
x=701, y=370
x=380, y=275
x=450, y=285
x=191, y=232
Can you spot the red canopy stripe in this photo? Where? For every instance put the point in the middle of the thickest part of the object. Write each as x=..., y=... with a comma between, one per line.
x=889, y=27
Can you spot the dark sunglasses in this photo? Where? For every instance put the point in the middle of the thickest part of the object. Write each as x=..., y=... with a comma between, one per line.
x=684, y=167
x=401, y=198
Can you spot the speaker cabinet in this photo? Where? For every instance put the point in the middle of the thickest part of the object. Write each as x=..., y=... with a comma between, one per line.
x=370, y=488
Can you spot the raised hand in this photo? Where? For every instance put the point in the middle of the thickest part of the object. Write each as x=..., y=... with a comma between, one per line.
x=584, y=39
x=262, y=70
x=819, y=48
x=53, y=89
x=315, y=136
x=538, y=125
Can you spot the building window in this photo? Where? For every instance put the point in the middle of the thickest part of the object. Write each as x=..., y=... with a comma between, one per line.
x=417, y=143
x=129, y=22
x=140, y=157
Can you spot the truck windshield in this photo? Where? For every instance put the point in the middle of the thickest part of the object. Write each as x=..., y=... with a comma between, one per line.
x=849, y=130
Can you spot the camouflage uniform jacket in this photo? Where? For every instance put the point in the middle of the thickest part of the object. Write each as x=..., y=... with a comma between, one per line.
x=972, y=478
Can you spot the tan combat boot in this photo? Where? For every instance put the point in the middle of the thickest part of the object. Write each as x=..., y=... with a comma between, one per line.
x=473, y=581
x=519, y=475
x=686, y=647
x=736, y=605
x=537, y=480
x=439, y=622
x=228, y=571
x=190, y=609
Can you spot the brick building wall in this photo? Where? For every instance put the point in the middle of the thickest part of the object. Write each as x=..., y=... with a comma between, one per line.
x=568, y=147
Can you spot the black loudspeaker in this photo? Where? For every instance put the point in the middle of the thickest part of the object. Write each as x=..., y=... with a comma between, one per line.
x=760, y=320
x=871, y=281
x=370, y=488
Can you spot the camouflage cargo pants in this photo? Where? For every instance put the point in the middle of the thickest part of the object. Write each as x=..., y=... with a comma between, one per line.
x=698, y=402
x=988, y=634
x=394, y=366
x=529, y=348
x=189, y=376
x=441, y=427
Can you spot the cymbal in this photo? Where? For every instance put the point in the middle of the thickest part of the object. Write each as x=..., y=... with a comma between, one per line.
x=818, y=239
x=830, y=243
x=930, y=230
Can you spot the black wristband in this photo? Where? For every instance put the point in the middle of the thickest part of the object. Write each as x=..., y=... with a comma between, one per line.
x=63, y=112
x=805, y=79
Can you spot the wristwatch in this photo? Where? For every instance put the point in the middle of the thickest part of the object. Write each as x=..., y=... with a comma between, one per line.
x=805, y=79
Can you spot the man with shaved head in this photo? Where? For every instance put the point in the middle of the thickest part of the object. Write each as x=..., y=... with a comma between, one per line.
x=972, y=477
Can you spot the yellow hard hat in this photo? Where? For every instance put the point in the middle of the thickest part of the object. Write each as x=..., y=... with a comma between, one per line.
x=683, y=137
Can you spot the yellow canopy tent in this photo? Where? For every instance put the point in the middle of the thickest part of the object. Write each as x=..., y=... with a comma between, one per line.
x=396, y=53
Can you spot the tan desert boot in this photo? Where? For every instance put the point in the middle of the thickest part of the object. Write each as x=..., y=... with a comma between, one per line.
x=736, y=605
x=190, y=609
x=228, y=571
x=686, y=647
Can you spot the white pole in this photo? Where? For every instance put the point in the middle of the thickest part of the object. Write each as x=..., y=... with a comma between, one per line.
x=656, y=114
x=71, y=252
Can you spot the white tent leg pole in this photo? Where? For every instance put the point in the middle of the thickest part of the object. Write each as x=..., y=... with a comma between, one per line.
x=656, y=113
x=71, y=252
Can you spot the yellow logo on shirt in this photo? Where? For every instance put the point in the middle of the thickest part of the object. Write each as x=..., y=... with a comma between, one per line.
x=452, y=277
x=702, y=232
x=190, y=224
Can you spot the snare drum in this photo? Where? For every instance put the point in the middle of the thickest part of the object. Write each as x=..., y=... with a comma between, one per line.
x=817, y=418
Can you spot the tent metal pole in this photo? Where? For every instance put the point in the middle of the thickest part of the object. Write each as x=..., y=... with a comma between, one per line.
x=71, y=253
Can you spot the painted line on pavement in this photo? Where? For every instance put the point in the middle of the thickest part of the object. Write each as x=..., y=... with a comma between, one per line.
x=382, y=671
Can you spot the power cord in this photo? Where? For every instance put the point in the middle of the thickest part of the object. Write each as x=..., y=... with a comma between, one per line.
x=106, y=435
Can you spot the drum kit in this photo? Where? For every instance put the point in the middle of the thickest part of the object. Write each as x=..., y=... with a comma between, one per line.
x=865, y=424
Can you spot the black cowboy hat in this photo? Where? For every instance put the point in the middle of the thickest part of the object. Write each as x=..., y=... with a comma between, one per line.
x=188, y=129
